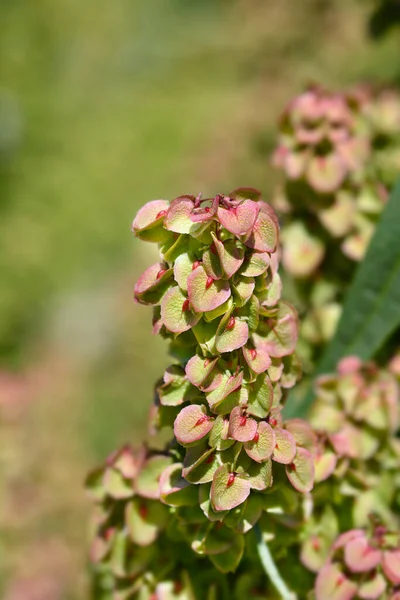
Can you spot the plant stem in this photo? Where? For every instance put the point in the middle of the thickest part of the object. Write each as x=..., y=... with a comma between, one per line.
x=270, y=567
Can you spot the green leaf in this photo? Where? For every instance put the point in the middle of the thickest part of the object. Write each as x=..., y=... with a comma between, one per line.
x=206, y=506
x=219, y=434
x=119, y=553
x=151, y=285
x=176, y=389
x=285, y=447
x=94, y=485
x=182, y=269
x=373, y=588
x=176, y=313
x=176, y=491
x=260, y=475
x=199, y=368
x=232, y=333
x=262, y=445
x=260, y=398
x=264, y=235
x=230, y=256
x=255, y=264
x=177, y=218
x=200, y=465
x=226, y=387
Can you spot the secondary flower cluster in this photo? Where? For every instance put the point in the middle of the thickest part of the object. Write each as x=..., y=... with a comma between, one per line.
x=332, y=149
x=142, y=548
x=340, y=156
x=128, y=520
x=356, y=420
x=356, y=416
x=362, y=564
x=135, y=549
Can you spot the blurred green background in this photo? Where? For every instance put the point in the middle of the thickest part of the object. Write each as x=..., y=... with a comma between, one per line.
x=103, y=106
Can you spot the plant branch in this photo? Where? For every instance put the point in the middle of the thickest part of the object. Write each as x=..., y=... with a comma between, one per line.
x=270, y=567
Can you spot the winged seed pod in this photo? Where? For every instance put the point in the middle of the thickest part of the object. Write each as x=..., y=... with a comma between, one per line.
x=362, y=564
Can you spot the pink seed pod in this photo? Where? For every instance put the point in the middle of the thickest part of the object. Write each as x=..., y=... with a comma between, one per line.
x=231, y=480
x=209, y=282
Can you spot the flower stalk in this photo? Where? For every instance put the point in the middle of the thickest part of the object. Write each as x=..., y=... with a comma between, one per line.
x=270, y=567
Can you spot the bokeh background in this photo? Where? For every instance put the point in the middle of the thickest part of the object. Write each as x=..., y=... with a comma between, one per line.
x=105, y=105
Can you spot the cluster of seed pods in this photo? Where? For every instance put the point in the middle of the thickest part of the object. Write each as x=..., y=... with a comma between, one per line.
x=356, y=417
x=132, y=552
x=339, y=154
x=128, y=519
x=322, y=142
x=330, y=149
x=217, y=297
x=362, y=565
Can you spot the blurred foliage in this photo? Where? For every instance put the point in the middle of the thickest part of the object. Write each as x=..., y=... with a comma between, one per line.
x=384, y=18
x=104, y=106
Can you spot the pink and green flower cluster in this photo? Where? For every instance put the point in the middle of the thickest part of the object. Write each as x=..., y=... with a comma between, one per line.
x=170, y=523
x=339, y=154
x=356, y=417
x=136, y=552
x=232, y=462
x=217, y=296
x=332, y=149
